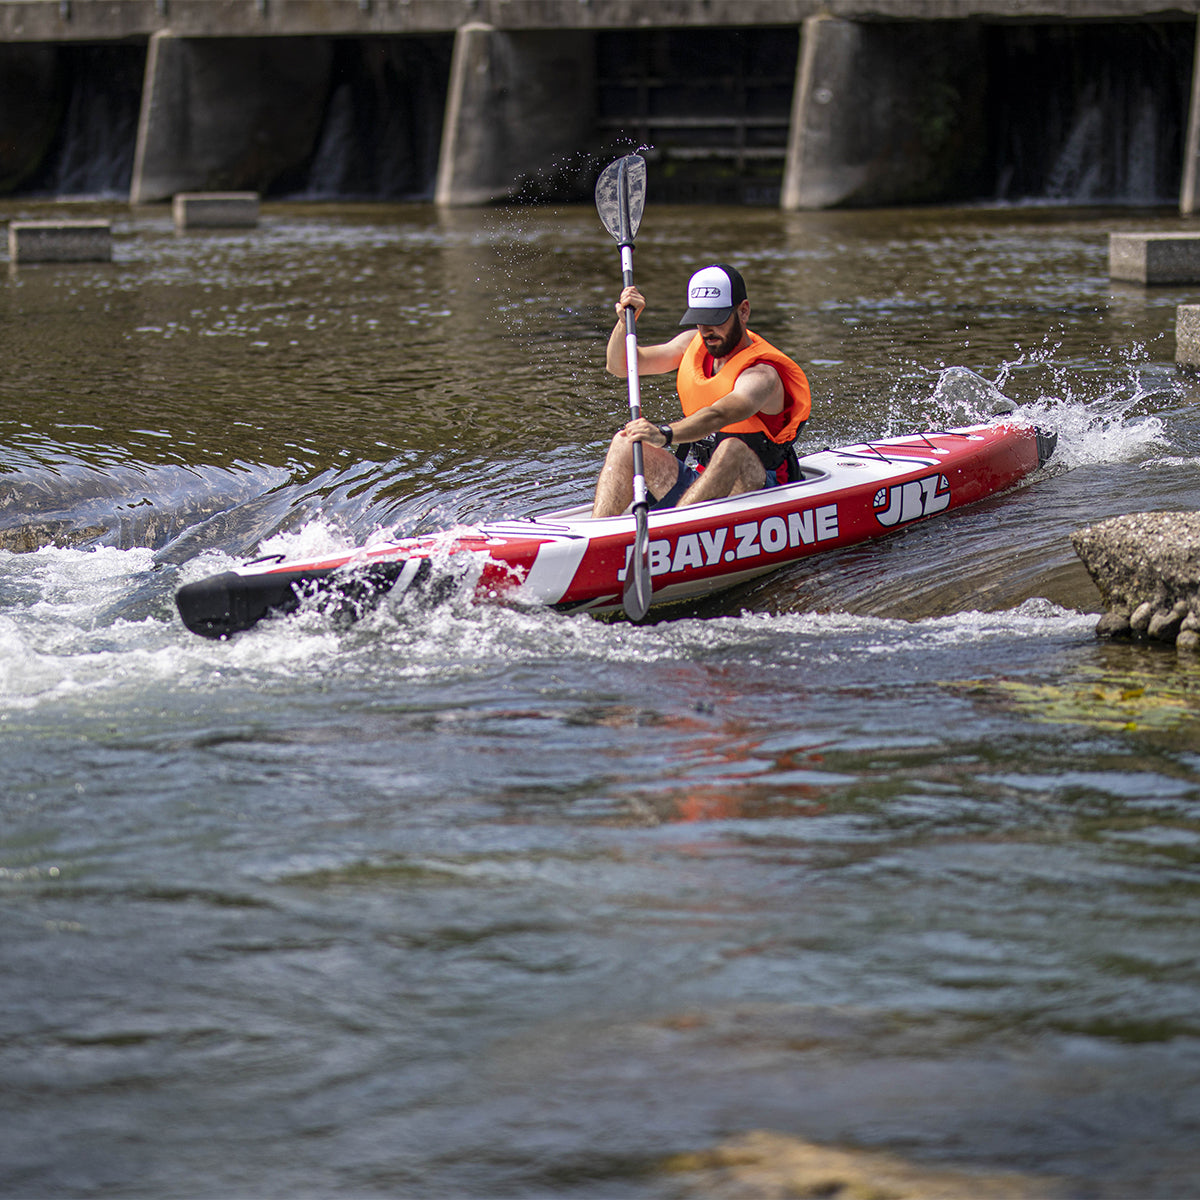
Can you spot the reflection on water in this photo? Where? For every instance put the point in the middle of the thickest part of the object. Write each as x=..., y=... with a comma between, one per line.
x=884, y=851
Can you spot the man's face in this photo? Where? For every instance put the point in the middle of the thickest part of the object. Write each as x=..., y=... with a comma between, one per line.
x=721, y=340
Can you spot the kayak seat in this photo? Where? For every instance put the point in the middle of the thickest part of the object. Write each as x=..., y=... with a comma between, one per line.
x=788, y=471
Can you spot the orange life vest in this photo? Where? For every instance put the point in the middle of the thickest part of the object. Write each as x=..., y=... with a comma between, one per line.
x=698, y=390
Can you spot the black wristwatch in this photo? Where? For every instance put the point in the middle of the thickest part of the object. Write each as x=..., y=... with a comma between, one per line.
x=667, y=432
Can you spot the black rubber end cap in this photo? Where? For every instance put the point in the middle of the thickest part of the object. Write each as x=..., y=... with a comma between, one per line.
x=1047, y=439
x=225, y=604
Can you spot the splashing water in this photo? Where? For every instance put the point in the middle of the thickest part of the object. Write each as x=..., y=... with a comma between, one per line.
x=1101, y=428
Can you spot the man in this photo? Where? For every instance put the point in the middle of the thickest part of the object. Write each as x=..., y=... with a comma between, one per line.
x=731, y=383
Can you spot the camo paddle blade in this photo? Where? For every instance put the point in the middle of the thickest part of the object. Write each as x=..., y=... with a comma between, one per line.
x=621, y=197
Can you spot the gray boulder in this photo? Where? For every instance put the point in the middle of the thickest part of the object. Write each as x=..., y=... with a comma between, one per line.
x=1147, y=567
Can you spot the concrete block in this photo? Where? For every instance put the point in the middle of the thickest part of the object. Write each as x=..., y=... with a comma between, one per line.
x=215, y=210
x=1187, y=335
x=1154, y=257
x=59, y=241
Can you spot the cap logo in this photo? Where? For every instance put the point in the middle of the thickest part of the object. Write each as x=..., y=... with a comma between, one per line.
x=713, y=294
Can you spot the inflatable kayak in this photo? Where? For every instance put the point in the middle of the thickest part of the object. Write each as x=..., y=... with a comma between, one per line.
x=576, y=562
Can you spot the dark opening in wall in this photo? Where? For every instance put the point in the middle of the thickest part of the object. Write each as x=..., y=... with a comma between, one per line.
x=89, y=95
x=1087, y=113
x=382, y=125
x=713, y=106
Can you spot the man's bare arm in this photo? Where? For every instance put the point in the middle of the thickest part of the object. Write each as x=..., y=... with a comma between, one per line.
x=652, y=360
x=759, y=389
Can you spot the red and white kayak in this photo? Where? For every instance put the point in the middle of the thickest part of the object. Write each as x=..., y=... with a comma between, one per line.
x=577, y=562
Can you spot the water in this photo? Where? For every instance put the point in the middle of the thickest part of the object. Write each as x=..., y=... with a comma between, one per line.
x=884, y=851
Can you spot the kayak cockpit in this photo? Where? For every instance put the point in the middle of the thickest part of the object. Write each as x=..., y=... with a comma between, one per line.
x=583, y=512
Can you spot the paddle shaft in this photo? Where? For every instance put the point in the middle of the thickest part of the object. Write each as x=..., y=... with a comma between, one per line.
x=631, y=372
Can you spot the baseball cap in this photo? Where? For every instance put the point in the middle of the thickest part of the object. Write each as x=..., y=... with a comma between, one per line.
x=713, y=293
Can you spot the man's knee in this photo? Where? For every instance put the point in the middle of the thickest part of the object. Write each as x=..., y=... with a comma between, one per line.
x=619, y=448
x=728, y=450
x=739, y=467
x=734, y=455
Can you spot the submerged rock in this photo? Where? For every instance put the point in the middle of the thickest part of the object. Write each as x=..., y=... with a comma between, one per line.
x=1147, y=567
x=763, y=1165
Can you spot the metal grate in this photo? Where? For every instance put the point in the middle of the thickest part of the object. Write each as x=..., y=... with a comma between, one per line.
x=712, y=105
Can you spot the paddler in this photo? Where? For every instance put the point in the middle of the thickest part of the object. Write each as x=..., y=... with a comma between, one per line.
x=732, y=384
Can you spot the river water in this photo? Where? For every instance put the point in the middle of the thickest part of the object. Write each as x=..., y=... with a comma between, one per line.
x=885, y=852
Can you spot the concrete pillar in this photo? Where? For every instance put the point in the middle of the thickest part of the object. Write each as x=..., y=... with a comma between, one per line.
x=809, y=180
x=885, y=112
x=227, y=114
x=518, y=104
x=1187, y=335
x=1189, y=187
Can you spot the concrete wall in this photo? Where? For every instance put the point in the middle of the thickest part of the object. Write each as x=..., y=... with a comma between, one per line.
x=119, y=20
x=885, y=111
x=910, y=112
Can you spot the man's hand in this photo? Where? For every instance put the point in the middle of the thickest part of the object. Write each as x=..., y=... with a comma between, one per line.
x=652, y=360
x=630, y=298
x=642, y=430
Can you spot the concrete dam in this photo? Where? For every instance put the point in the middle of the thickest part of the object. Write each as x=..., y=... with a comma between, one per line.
x=795, y=103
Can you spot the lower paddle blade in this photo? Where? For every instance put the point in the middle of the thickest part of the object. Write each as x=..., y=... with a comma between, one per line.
x=639, y=592
x=621, y=193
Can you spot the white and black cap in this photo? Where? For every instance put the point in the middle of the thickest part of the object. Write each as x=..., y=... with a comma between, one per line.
x=713, y=293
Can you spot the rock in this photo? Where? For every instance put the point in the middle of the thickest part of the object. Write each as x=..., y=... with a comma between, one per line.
x=1114, y=624
x=1139, y=620
x=1165, y=625
x=1147, y=569
x=763, y=1165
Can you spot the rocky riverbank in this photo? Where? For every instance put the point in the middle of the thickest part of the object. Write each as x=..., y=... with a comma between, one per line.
x=1147, y=567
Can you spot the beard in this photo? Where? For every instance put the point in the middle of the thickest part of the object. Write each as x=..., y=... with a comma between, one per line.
x=721, y=347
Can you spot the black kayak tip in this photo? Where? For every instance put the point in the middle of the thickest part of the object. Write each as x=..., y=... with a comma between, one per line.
x=1047, y=439
x=222, y=605
x=225, y=604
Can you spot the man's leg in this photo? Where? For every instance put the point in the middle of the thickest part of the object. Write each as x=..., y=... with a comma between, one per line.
x=733, y=468
x=614, y=487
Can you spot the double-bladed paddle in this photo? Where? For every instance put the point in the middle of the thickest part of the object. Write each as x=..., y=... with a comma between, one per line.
x=620, y=199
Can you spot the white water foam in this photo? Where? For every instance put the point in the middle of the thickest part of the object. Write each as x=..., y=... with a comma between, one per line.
x=1091, y=428
x=1097, y=432
x=471, y=639
x=63, y=640
x=53, y=642
x=63, y=633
